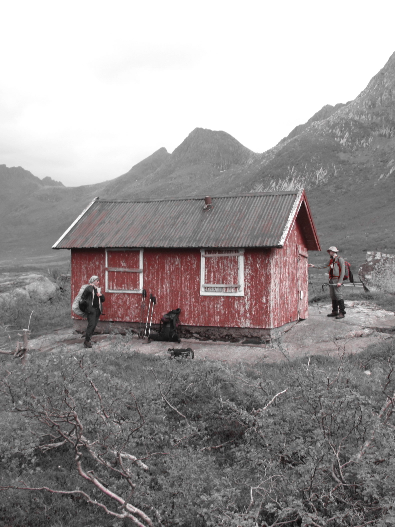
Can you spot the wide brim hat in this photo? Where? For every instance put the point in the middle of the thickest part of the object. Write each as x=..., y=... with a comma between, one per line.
x=333, y=249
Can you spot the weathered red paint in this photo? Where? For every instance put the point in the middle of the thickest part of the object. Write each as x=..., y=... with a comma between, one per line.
x=275, y=281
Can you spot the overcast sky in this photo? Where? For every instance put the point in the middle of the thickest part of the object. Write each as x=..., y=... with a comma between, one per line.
x=90, y=88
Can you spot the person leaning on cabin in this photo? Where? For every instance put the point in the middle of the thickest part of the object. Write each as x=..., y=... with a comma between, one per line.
x=94, y=298
x=336, y=273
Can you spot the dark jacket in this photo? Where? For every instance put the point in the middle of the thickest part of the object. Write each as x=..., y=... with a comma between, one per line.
x=92, y=300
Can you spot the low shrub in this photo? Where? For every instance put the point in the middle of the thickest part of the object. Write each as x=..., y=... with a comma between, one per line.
x=39, y=317
x=308, y=442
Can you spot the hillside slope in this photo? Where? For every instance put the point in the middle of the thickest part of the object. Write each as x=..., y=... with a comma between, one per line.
x=34, y=213
x=343, y=155
x=347, y=164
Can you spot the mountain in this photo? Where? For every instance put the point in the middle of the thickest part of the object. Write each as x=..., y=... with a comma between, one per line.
x=353, y=141
x=34, y=213
x=343, y=156
x=346, y=161
x=322, y=114
x=202, y=159
x=136, y=177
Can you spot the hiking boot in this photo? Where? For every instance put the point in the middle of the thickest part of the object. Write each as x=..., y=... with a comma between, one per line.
x=341, y=309
x=335, y=309
x=87, y=344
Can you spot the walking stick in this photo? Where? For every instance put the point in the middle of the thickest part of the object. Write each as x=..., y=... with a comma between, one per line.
x=144, y=294
x=148, y=311
x=152, y=312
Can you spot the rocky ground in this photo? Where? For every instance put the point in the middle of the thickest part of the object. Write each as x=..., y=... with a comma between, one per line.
x=365, y=324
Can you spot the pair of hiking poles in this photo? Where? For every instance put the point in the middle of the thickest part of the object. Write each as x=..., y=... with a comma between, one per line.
x=145, y=331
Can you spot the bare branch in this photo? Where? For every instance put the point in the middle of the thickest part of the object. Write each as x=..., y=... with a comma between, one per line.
x=368, y=442
x=128, y=513
x=217, y=446
x=166, y=401
x=129, y=508
x=270, y=402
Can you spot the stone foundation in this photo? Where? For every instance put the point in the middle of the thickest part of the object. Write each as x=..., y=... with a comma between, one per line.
x=248, y=335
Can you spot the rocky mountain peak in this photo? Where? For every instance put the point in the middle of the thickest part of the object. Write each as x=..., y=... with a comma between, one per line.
x=49, y=182
x=375, y=105
x=152, y=162
x=216, y=148
x=325, y=112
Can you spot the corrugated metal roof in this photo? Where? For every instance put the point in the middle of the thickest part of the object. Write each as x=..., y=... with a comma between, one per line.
x=252, y=220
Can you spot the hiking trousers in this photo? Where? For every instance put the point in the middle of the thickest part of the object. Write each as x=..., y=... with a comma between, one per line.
x=335, y=292
x=93, y=318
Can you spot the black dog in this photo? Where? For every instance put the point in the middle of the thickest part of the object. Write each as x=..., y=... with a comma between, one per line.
x=181, y=353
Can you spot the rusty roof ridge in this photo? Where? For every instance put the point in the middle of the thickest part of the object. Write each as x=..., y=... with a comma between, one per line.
x=199, y=198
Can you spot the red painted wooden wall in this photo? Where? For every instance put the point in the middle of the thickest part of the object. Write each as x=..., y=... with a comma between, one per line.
x=276, y=285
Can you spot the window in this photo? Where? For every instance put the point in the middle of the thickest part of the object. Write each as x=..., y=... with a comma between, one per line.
x=124, y=270
x=222, y=272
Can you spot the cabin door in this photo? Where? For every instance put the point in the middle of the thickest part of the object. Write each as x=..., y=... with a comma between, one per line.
x=302, y=283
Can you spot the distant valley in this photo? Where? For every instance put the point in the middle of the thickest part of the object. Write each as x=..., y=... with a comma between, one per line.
x=343, y=156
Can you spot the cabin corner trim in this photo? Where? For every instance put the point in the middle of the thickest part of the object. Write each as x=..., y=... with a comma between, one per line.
x=55, y=245
x=291, y=218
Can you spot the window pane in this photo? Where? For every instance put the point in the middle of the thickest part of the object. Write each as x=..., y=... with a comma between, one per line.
x=122, y=281
x=123, y=259
x=222, y=270
x=122, y=270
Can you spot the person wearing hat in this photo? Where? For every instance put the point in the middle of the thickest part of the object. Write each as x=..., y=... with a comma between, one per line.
x=93, y=298
x=336, y=275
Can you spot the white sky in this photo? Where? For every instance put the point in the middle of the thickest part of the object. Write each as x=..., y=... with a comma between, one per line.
x=90, y=88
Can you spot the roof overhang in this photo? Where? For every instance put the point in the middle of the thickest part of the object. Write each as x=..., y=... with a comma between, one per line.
x=261, y=220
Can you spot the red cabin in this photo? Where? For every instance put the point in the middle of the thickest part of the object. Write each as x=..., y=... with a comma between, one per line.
x=235, y=265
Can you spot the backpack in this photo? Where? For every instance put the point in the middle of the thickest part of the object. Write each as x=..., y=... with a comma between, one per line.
x=168, y=326
x=347, y=271
x=79, y=306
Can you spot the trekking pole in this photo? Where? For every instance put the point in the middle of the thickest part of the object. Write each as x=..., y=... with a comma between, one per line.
x=144, y=294
x=152, y=312
x=148, y=311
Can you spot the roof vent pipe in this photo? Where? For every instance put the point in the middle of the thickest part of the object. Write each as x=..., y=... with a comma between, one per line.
x=208, y=203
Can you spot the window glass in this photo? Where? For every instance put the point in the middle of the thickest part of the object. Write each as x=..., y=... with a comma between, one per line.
x=124, y=271
x=222, y=272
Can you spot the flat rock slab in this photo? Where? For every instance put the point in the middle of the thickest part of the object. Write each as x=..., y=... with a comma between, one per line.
x=365, y=324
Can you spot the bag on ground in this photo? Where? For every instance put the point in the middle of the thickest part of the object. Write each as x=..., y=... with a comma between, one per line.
x=169, y=324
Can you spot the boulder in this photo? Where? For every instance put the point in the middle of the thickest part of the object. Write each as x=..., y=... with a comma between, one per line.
x=25, y=286
x=378, y=272
x=20, y=294
x=41, y=289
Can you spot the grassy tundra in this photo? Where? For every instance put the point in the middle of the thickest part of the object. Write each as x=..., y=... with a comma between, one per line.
x=121, y=438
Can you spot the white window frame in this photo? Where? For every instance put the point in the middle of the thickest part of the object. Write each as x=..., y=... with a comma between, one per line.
x=239, y=253
x=125, y=270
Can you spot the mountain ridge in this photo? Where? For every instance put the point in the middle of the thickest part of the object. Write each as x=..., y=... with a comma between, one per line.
x=343, y=156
